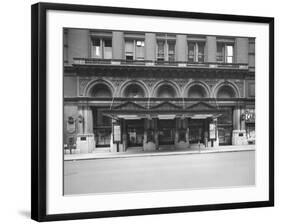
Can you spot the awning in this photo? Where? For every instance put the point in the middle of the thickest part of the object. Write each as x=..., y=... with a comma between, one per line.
x=162, y=116
x=166, y=117
x=129, y=117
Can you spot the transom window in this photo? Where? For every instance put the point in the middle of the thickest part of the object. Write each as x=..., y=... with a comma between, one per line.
x=196, y=51
x=134, y=49
x=101, y=48
x=225, y=53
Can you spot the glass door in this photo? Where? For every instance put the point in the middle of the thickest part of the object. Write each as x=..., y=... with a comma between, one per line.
x=196, y=131
x=135, y=130
x=166, y=132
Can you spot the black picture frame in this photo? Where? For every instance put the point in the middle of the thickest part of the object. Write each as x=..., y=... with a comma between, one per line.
x=39, y=108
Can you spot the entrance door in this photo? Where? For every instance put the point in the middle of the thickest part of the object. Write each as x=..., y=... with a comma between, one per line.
x=135, y=130
x=166, y=132
x=196, y=131
x=225, y=135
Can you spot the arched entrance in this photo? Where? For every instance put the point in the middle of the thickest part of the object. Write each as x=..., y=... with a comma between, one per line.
x=225, y=121
x=102, y=123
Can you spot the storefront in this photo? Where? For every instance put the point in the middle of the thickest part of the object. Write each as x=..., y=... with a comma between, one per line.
x=225, y=126
x=166, y=132
x=135, y=132
x=250, y=125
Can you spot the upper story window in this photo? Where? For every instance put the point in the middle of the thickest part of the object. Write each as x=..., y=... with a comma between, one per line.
x=134, y=49
x=225, y=53
x=161, y=50
x=101, y=48
x=196, y=51
x=166, y=50
x=171, y=51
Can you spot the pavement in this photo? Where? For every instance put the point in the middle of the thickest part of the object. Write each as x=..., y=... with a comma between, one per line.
x=138, y=152
x=160, y=173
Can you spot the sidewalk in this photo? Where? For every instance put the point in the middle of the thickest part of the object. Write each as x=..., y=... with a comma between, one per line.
x=139, y=153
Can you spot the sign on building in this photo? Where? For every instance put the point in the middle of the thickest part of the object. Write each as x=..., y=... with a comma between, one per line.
x=250, y=115
x=116, y=133
x=212, y=131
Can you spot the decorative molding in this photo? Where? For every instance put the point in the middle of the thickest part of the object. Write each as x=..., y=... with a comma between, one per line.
x=150, y=82
x=83, y=82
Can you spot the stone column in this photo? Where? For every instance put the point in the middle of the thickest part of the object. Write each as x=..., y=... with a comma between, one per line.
x=185, y=126
x=78, y=44
x=243, y=124
x=211, y=49
x=80, y=122
x=176, y=140
x=113, y=146
x=181, y=49
x=124, y=136
x=145, y=129
x=241, y=49
x=88, y=117
x=238, y=134
x=118, y=44
x=85, y=138
x=155, y=124
x=217, y=141
x=150, y=47
x=236, y=118
x=206, y=131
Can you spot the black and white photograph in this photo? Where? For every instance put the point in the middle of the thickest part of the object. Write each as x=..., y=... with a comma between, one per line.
x=157, y=111
x=140, y=112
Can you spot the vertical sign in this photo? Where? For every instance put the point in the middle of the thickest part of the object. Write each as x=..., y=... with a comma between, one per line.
x=116, y=133
x=212, y=131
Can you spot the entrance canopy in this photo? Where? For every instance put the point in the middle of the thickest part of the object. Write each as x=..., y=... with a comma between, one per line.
x=163, y=111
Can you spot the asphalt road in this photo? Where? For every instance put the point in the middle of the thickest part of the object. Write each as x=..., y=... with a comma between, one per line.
x=159, y=173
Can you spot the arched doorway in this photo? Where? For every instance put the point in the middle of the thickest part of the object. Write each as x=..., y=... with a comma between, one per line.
x=225, y=121
x=101, y=123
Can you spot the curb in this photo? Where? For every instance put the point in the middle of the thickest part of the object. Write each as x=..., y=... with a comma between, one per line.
x=116, y=156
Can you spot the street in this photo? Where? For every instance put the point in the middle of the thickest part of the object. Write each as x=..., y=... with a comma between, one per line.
x=149, y=173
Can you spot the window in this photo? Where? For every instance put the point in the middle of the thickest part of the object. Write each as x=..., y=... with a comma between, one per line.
x=171, y=51
x=225, y=53
x=134, y=50
x=160, y=50
x=140, y=50
x=196, y=51
x=166, y=50
x=101, y=48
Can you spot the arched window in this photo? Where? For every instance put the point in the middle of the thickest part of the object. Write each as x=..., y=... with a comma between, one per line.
x=196, y=91
x=101, y=90
x=134, y=91
x=166, y=91
x=226, y=92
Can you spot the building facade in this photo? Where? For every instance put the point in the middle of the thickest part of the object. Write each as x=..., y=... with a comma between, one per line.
x=156, y=90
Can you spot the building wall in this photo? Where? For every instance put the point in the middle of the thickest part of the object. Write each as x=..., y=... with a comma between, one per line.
x=79, y=83
x=77, y=44
x=70, y=86
x=70, y=111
